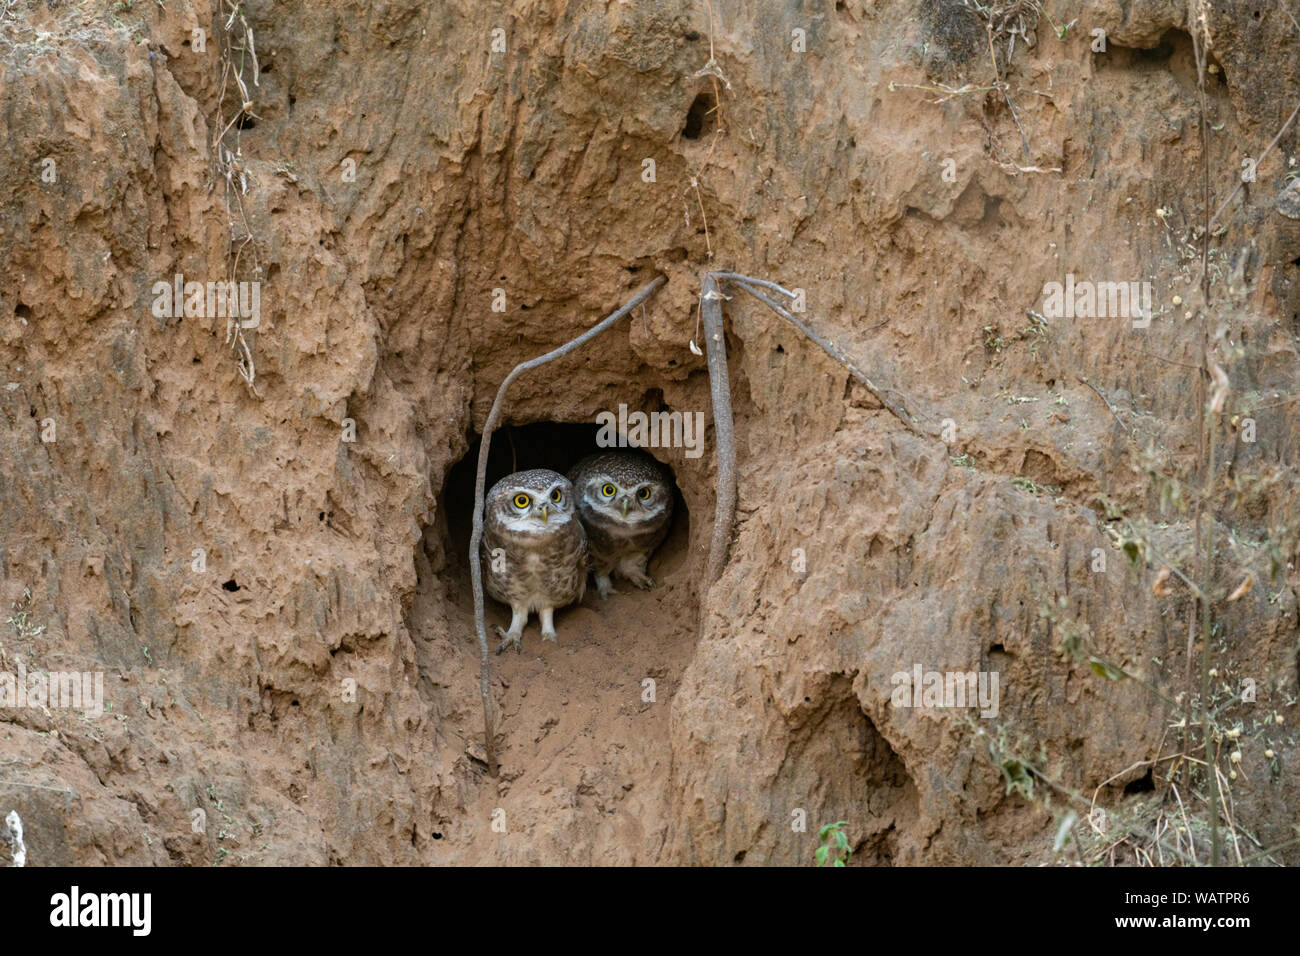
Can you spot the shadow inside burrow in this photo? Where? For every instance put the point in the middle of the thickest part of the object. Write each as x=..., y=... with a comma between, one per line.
x=554, y=445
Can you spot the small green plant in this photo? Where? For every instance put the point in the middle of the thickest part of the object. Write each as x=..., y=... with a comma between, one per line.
x=835, y=849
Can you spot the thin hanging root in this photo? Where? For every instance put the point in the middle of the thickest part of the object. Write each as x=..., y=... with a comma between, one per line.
x=719, y=386
x=747, y=284
x=476, y=538
x=715, y=343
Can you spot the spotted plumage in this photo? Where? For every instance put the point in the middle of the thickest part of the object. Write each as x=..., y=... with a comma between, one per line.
x=625, y=500
x=534, y=549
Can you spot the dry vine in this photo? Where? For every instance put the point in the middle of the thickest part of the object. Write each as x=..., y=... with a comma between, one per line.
x=719, y=386
x=229, y=166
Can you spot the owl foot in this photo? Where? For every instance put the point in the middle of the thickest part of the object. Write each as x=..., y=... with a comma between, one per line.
x=643, y=581
x=546, y=615
x=511, y=637
x=604, y=587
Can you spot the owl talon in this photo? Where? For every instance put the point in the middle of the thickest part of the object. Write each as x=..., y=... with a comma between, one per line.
x=644, y=582
x=605, y=587
x=515, y=639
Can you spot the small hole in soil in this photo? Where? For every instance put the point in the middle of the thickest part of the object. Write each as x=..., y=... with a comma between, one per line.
x=246, y=121
x=700, y=118
x=230, y=585
x=1143, y=784
x=23, y=311
x=437, y=836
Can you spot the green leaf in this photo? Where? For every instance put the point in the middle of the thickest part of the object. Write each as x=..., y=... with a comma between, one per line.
x=1103, y=669
x=839, y=862
x=821, y=855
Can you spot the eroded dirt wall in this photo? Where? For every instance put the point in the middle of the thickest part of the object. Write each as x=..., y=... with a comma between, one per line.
x=231, y=560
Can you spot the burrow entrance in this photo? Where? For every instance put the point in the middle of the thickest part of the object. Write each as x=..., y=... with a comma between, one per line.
x=554, y=445
x=582, y=724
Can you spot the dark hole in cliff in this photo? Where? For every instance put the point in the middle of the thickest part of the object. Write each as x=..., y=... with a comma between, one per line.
x=246, y=121
x=230, y=586
x=554, y=445
x=701, y=117
x=1143, y=784
x=1173, y=53
x=23, y=311
x=1159, y=53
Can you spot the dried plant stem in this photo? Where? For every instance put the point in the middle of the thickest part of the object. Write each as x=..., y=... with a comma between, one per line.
x=830, y=348
x=1267, y=149
x=476, y=537
x=1109, y=406
x=720, y=388
x=1198, y=26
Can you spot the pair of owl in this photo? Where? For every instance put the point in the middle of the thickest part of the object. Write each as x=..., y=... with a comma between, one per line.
x=543, y=531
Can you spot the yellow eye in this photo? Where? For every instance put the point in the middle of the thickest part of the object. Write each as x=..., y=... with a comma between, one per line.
x=522, y=501
x=644, y=494
x=557, y=496
x=608, y=490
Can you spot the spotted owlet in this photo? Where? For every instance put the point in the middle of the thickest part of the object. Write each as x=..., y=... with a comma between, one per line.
x=534, y=549
x=625, y=500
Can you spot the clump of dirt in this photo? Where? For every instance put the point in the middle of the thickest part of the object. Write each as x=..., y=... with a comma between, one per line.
x=257, y=531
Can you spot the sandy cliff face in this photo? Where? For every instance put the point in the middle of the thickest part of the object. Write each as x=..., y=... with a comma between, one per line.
x=232, y=561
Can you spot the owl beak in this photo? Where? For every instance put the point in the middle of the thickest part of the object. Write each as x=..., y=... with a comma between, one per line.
x=545, y=510
x=624, y=505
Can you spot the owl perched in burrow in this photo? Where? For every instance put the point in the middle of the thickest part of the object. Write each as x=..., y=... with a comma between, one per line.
x=534, y=549
x=625, y=500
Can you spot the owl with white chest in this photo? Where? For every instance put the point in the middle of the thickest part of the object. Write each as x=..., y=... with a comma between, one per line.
x=534, y=550
x=625, y=501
